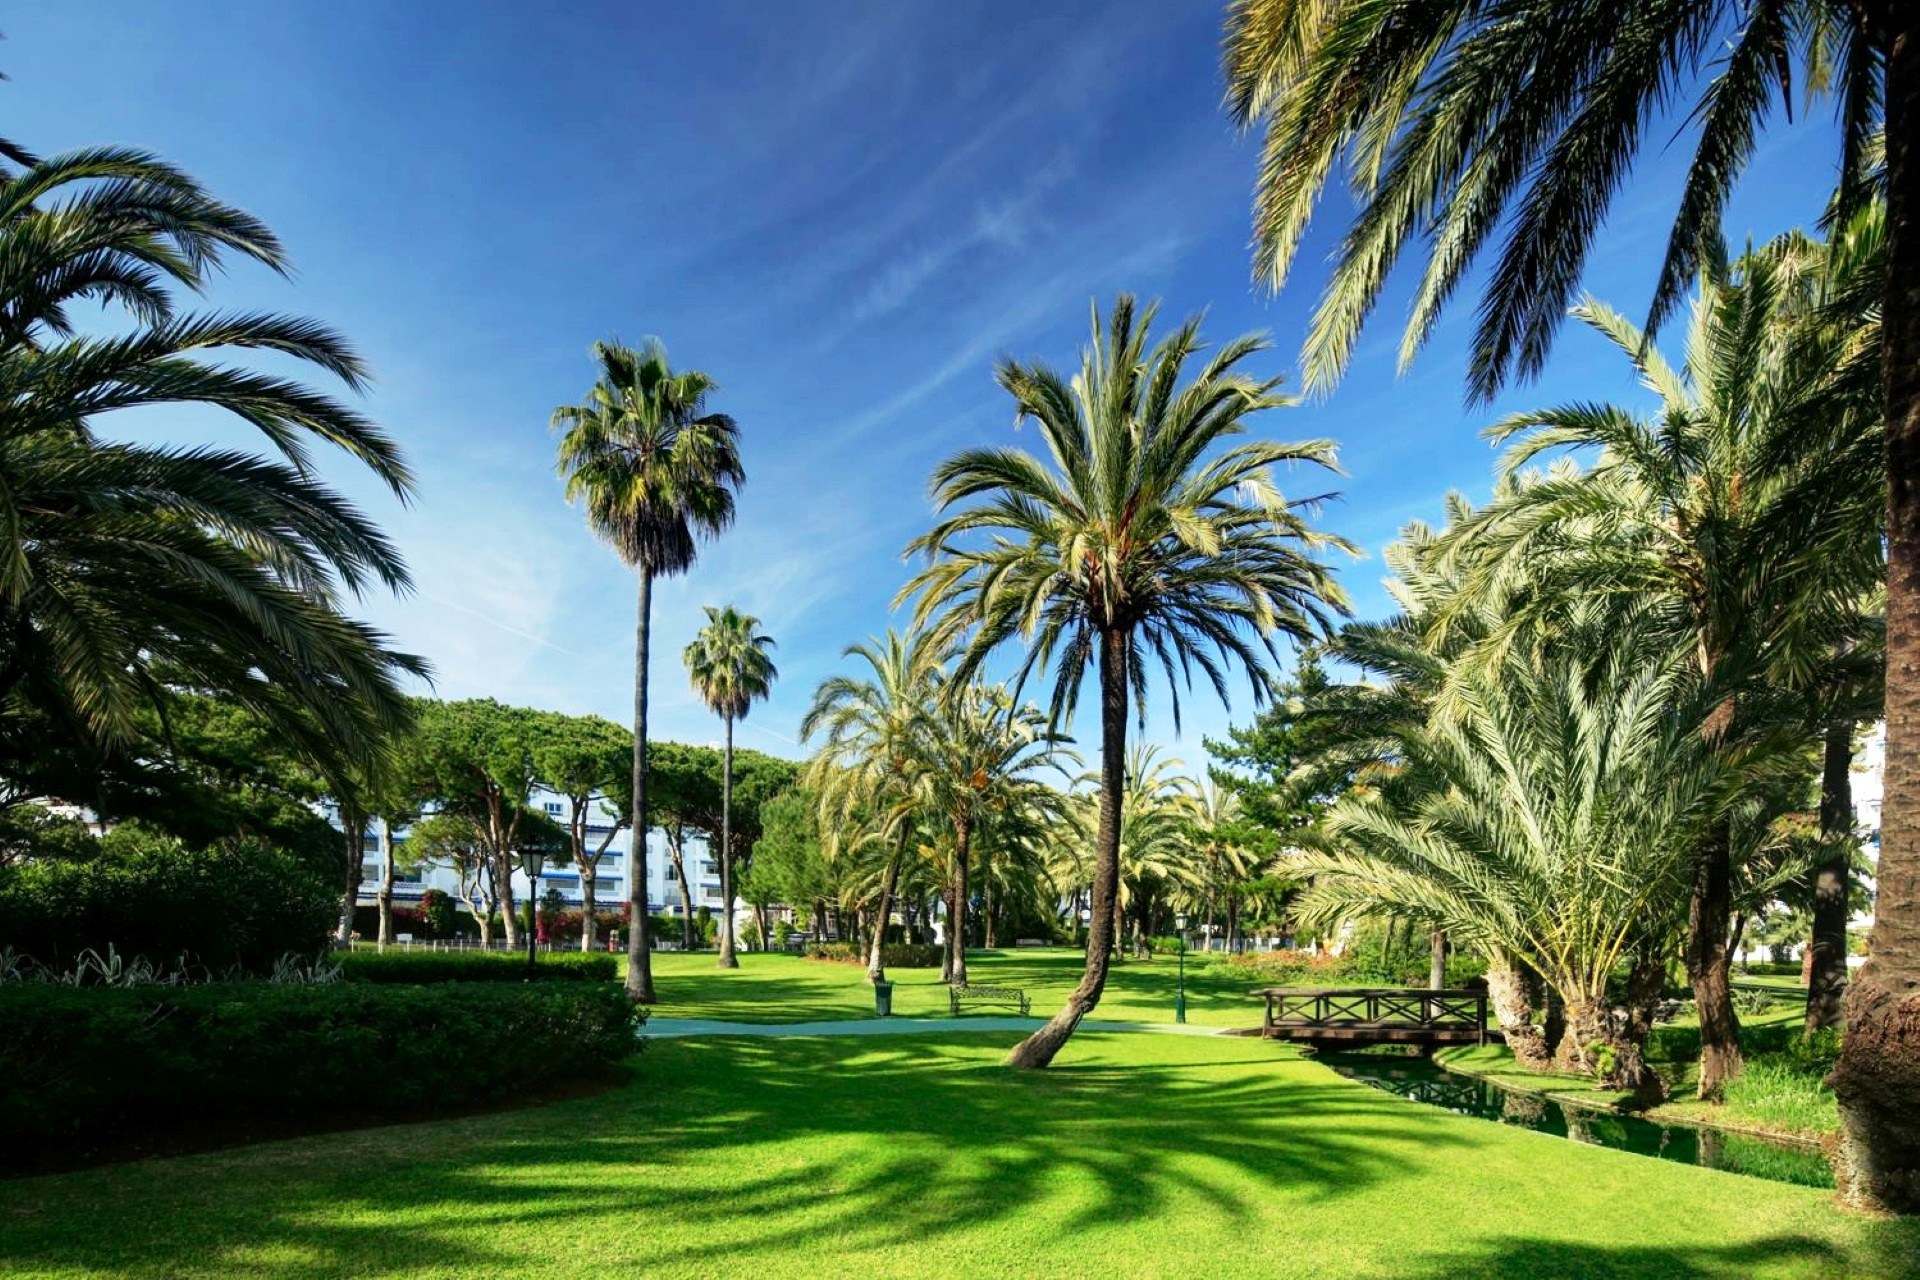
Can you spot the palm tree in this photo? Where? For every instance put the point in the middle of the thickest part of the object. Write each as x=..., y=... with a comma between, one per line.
x=127, y=566
x=730, y=670
x=1134, y=542
x=983, y=750
x=875, y=739
x=1557, y=808
x=655, y=469
x=1469, y=126
x=1688, y=514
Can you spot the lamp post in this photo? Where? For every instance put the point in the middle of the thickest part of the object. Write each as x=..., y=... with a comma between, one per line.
x=1180, y=981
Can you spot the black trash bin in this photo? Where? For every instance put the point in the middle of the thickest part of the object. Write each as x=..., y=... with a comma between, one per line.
x=883, y=999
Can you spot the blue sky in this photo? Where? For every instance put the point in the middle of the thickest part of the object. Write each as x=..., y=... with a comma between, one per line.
x=843, y=211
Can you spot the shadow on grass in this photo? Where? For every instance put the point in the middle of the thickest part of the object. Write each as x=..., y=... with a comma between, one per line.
x=733, y=1154
x=915, y=1144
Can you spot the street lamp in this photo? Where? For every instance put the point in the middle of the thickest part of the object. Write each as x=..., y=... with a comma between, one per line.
x=1180, y=987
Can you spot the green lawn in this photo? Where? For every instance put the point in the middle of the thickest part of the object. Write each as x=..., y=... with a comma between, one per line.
x=785, y=988
x=920, y=1155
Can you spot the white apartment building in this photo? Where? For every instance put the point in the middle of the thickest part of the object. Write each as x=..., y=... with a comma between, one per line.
x=411, y=881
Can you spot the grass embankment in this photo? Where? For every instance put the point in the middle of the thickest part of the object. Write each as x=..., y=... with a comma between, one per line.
x=1774, y=1095
x=785, y=988
x=1155, y=1155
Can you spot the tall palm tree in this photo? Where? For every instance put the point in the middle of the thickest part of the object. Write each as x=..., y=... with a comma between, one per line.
x=125, y=566
x=1136, y=541
x=730, y=670
x=1468, y=126
x=875, y=739
x=655, y=470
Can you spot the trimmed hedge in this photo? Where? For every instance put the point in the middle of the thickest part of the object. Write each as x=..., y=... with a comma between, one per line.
x=893, y=955
x=148, y=896
x=420, y=967
x=83, y=1061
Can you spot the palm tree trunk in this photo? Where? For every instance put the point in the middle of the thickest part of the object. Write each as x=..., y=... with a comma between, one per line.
x=1710, y=960
x=1878, y=1078
x=1037, y=1050
x=962, y=850
x=639, y=945
x=385, y=896
x=1827, y=951
x=1513, y=1011
x=889, y=880
x=727, y=958
x=1437, y=963
x=356, y=835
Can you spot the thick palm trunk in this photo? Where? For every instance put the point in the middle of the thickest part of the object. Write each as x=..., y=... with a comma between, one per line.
x=1710, y=961
x=889, y=881
x=727, y=958
x=1037, y=1050
x=356, y=835
x=957, y=946
x=1826, y=969
x=1878, y=1079
x=1513, y=1012
x=385, y=896
x=639, y=945
x=1437, y=963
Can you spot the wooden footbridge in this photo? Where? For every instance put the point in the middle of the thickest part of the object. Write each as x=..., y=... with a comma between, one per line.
x=1350, y=1017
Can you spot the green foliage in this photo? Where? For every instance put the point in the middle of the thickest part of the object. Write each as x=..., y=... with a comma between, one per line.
x=424, y=966
x=893, y=955
x=1780, y=1091
x=80, y=1061
x=132, y=566
x=148, y=895
x=436, y=910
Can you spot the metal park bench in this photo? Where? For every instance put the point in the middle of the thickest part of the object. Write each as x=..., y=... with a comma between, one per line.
x=1010, y=996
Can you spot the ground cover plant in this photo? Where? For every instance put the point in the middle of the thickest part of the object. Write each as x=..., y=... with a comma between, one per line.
x=86, y=1062
x=425, y=966
x=921, y=1155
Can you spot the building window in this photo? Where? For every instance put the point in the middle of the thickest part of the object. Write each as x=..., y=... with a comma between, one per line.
x=553, y=808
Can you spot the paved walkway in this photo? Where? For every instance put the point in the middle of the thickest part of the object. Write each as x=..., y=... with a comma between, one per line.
x=670, y=1027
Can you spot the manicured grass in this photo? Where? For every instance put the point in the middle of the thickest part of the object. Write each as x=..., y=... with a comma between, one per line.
x=921, y=1155
x=775, y=987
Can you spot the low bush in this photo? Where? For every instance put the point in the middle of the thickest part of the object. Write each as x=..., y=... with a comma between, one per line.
x=893, y=955
x=418, y=967
x=242, y=904
x=1772, y=968
x=90, y=1061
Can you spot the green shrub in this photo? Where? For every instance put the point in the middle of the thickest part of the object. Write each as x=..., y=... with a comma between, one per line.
x=893, y=955
x=1772, y=968
x=419, y=967
x=241, y=904
x=84, y=1060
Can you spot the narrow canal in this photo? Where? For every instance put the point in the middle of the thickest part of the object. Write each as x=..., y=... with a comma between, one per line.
x=1422, y=1081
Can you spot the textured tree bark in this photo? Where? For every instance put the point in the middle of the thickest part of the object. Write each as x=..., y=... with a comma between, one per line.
x=1826, y=969
x=503, y=893
x=356, y=837
x=889, y=880
x=1878, y=1079
x=639, y=945
x=728, y=960
x=1437, y=964
x=385, y=895
x=962, y=851
x=1710, y=961
x=1038, y=1049
x=677, y=854
x=1513, y=1011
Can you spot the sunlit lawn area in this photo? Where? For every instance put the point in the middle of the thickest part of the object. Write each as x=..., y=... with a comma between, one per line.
x=775, y=987
x=922, y=1155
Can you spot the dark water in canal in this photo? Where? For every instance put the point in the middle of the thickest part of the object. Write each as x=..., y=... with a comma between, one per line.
x=1422, y=1081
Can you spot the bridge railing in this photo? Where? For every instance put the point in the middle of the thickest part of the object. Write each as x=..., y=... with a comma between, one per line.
x=1352, y=1008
